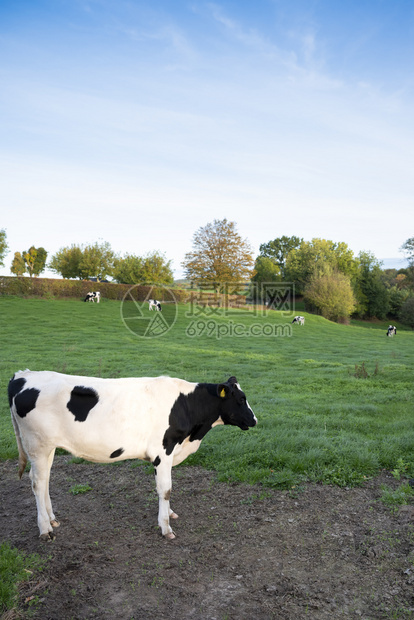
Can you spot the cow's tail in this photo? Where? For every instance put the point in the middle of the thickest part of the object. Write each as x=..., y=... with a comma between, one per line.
x=23, y=458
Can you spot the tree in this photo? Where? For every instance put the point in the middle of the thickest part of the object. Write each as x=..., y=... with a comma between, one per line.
x=153, y=268
x=84, y=262
x=128, y=270
x=97, y=261
x=39, y=264
x=408, y=249
x=396, y=298
x=330, y=292
x=406, y=314
x=66, y=261
x=18, y=266
x=301, y=261
x=4, y=248
x=29, y=258
x=371, y=293
x=156, y=269
x=266, y=270
x=219, y=255
x=278, y=249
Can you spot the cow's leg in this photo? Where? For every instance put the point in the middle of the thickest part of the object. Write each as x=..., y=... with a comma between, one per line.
x=163, y=483
x=39, y=475
x=53, y=521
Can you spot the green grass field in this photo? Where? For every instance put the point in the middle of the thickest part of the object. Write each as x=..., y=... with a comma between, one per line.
x=334, y=402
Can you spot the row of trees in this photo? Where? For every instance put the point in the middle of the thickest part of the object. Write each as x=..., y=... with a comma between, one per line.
x=333, y=281
x=99, y=261
x=31, y=261
x=96, y=260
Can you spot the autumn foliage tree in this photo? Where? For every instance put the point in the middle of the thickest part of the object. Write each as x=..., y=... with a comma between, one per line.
x=35, y=260
x=18, y=266
x=219, y=256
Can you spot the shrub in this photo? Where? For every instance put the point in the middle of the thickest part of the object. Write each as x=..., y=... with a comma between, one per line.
x=331, y=294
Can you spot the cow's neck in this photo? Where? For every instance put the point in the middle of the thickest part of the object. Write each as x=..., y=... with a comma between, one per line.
x=192, y=415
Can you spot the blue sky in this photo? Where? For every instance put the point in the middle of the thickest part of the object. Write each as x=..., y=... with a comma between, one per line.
x=138, y=122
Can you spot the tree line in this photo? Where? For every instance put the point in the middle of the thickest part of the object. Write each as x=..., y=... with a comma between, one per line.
x=332, y=280
x=96, y=261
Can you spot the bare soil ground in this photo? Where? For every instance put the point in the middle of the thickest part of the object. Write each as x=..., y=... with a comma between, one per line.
x=241, y=552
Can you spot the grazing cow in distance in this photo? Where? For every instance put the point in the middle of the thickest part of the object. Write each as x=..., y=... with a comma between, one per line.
x=92, y=296
x=300, y=320
x=153, y=303
x=161, y=420
x=392, y=330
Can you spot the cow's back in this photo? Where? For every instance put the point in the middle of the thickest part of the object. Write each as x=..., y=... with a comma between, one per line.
x=98, y=419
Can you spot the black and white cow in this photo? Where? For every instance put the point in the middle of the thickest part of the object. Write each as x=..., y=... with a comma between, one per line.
x=300, y=320
x=392, y=330
x=92, y=296
x=161, y=420
x=153, y=303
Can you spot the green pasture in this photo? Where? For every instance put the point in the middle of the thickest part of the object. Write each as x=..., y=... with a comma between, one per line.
x=334, y=402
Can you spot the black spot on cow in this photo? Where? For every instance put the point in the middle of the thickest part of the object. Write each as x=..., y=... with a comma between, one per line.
x=156, y=461
x=15, y=386
x=82, y=400
x=25, y=401
x=116, y=453
x=192, y=415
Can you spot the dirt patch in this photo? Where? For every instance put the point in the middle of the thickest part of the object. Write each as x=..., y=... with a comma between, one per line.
x=241, y=552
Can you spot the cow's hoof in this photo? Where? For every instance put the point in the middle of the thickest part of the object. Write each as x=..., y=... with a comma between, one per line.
x=48, y=537
x=170, y=536
x=54, y=523
x=173, y=515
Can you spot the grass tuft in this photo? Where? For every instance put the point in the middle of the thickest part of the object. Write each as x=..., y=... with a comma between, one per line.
x=15, y=568
x=393, y=498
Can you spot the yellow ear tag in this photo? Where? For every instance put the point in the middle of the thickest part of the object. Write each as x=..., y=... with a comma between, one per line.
x=223, y=393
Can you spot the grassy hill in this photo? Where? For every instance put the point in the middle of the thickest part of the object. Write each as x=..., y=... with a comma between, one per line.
x=334, y=402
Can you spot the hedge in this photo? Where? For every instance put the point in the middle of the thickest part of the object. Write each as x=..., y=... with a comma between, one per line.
x=50, y=288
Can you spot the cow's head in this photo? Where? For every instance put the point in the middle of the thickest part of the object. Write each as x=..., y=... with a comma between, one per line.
x=235, y=409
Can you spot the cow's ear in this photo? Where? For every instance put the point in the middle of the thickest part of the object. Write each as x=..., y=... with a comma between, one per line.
x=222, y=390
x=232, y=380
